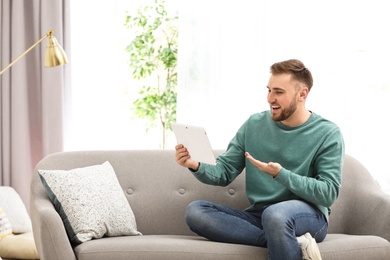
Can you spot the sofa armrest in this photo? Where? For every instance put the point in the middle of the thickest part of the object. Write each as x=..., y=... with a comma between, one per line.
x=362, y=207
x=372, y=211
x=49, y=232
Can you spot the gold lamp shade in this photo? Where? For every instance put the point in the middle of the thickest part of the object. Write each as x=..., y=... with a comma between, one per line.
x=54, y=55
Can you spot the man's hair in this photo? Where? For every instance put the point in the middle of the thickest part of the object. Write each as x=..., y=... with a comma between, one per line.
x=296, y=69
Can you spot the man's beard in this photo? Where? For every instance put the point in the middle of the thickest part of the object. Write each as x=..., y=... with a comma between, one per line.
x=287, y=112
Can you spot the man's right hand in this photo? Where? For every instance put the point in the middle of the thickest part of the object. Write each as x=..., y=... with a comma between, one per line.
x=183, y=158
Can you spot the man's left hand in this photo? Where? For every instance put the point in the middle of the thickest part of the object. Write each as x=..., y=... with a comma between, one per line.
x=271, y=168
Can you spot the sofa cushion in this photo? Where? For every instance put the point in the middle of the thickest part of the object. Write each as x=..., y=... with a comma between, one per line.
x=354, y=247
x=165, y=247
x=90, y=202
x=160, y=247
x=15, y=209
x=5, y=225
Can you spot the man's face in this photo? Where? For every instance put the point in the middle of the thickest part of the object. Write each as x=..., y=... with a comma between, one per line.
x=282, y=96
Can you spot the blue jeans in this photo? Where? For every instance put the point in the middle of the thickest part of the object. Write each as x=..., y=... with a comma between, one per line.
x=275, y=226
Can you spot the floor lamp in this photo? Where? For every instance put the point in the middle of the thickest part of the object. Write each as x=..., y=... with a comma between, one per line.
x=54, y=55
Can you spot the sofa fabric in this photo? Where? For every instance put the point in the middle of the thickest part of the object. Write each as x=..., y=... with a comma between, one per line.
x=159, y=191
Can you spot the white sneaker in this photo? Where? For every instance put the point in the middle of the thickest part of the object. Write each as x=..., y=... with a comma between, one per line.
x=310, y=250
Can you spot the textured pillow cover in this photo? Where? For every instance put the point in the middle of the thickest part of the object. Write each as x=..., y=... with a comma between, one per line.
x=5, y=225
x=13, y=206
x=90, y=202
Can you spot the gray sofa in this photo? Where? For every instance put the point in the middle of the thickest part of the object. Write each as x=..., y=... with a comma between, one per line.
x=159, y=191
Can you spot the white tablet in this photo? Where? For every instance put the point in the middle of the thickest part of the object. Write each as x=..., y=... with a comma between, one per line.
x=195, y=139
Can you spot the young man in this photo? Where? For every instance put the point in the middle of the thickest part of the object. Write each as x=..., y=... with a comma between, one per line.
x=293, y=159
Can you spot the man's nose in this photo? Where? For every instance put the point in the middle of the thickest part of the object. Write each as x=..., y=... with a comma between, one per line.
x=271, y=98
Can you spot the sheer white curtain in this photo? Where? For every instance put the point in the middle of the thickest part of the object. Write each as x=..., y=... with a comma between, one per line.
x=33, y=98
x=226, y=48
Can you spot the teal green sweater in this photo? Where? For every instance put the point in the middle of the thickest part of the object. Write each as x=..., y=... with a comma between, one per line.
x=311, y=156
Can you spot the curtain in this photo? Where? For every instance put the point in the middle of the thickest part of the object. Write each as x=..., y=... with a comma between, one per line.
x=33, y=99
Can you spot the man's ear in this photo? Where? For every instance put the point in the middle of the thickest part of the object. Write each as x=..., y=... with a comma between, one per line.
x=303, y=93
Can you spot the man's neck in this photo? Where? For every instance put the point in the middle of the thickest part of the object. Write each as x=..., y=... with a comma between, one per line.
x=297, y=118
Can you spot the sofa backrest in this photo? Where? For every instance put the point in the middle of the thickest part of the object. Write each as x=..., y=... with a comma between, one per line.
x=157, y=189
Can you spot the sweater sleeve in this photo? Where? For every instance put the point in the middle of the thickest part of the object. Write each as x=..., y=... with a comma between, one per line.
x=323, y=187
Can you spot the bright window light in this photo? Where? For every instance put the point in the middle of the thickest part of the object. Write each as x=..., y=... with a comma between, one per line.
x=232, y=44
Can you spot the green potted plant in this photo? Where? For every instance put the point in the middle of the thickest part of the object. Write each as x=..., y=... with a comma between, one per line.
x=153, y=60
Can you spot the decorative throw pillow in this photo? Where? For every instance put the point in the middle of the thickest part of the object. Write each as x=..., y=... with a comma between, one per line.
x=13, y=206
x=5, y=225
x=21, y=246
x=90, y=202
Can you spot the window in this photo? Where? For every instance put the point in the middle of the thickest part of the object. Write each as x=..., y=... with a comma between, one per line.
x=225, y=50
x=102, y=85
x=226, y=57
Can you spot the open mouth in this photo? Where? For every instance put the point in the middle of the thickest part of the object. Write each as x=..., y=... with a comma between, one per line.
x=274, y=108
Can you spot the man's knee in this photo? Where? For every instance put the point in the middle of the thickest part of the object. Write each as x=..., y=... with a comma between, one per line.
x=275, y=220
x=194, y=212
